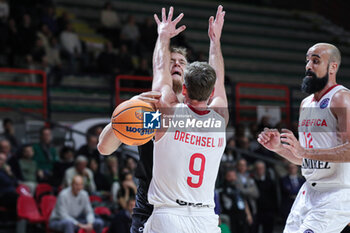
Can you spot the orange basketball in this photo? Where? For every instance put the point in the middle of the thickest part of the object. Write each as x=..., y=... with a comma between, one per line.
x=127, y=122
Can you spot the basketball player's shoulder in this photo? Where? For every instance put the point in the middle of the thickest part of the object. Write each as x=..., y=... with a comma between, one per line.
x=341, y=98
x=307, y=99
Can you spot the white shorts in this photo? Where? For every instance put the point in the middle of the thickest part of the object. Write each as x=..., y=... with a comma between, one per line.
x=316, y=211
x=172, y=222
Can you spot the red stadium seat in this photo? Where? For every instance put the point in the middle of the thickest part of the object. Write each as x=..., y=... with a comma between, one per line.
x=83, y=231
x=23, y=189
x=94, y=198
x=42, y=189
x=27, y=209
x=105, y=230
x=101, y=210
x=47, y=204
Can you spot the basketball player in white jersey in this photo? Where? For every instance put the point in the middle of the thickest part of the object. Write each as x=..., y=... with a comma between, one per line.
x=323, y=150
x=186, y=161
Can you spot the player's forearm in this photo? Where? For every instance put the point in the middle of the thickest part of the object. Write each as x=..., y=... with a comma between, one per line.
x=216, y=60
x=289, y=156
x=161, y=63
x=337, y=154
x=108, y=142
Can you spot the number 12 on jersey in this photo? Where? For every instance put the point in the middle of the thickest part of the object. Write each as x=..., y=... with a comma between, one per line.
x=308, y=140
x=199, y=173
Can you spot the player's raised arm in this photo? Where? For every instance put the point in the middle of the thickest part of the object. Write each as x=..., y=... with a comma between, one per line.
x=216, y=60
x=162, y=80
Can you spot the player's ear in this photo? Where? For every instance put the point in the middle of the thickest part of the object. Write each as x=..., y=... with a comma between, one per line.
x=212, y=93
x=333, y=68
x=184, y=90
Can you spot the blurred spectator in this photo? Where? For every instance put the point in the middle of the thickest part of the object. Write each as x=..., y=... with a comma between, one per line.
x=254, y=145
x=5, y=147
x=27, y=35
x=45, y=153
x=8, y=184
x=108, y=60
x=109, y=18
x=148, y=32
x=290, y=185
x=267, y=201
x=130, y=34
x=80, y=168
x=9, y=133
x=13, y=42
x=100, y=179
x=71, y=47
x=229, y=155
x=121, y=222
x=131, y=165
x=37, y=57
x=62, y=22
x=234, y=204
x=126, y=66
x=243, y=143
x=4, y=11
x=239, y=130
x=89, y=150
x=97, y=130
x=247, y=185
x=264, y=123
x=49, y=18
x=127, y=190
x=59, y=168
x=110, y=23
x=28, y=168
x=73, y=210
x=45, y=35
x=143, y=69
x=54, y=61
x=112, y=174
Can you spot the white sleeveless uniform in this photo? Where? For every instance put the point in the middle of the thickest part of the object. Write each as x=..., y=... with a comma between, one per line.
x=323, y=202
x=185, y=167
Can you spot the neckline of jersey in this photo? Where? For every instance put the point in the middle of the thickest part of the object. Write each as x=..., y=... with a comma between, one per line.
x=328, y=90
x=199, y=112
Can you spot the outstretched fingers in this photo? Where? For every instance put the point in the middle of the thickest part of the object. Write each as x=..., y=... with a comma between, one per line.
x=156, y=19
x=178, y=18
x=163, y=14
x=170, y=15
x=180, y=29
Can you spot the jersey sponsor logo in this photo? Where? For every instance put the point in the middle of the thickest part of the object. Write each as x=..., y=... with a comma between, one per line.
x=313, y=122
x=324, y=103
x=194, y=139
x=314, y=164
x=308, y=231
x=185, y=203
x=151, y=120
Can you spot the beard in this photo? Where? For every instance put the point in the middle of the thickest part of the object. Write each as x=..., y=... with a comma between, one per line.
x=177, y=86
x=313, y=84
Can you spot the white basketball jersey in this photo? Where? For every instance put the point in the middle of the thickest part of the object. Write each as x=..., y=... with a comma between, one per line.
x=318, y=129
x=186, y=161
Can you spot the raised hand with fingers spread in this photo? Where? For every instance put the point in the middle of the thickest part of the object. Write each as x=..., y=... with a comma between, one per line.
x=215, y=25
x=167, y=27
